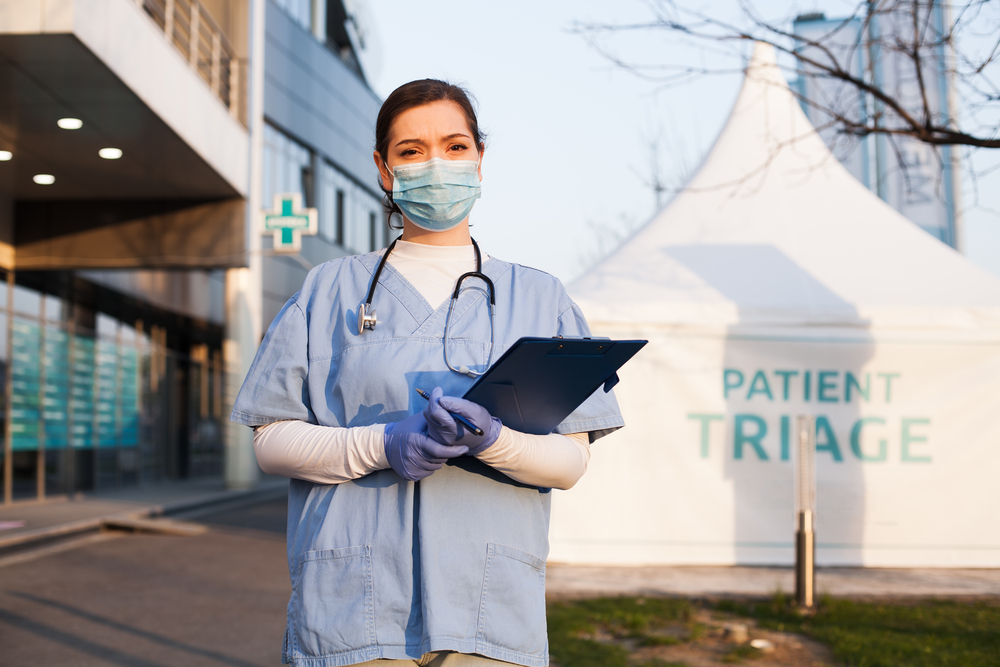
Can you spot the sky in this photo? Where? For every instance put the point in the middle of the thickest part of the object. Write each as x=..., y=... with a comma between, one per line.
x=569, y=153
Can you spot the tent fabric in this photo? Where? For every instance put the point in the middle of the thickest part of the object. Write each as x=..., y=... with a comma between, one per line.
x=773, y=286
x=773, y=230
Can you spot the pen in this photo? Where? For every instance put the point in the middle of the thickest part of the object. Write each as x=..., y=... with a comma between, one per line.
x=457, y=417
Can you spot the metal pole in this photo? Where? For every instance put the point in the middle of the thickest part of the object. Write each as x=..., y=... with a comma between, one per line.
x=139, y=442
x=8, y=437
x=95, y=414
x=234, y=88
x=805, y=509
x=168, y=21
x=805, y=553
x=194, y=37
x=118, y=404
x=40, y=458
x=217, y=64
x=70, y=401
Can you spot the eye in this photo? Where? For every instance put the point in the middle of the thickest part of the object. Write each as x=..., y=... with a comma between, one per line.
x=458, y=147
x=408, y=152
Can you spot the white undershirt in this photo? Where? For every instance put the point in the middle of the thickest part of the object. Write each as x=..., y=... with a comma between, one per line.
x=433, y=269
x=331, y=455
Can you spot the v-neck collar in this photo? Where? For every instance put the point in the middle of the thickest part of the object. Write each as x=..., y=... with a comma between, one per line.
x=425, y=316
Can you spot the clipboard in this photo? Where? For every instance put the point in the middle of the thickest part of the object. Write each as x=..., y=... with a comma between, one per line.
x=538, y=382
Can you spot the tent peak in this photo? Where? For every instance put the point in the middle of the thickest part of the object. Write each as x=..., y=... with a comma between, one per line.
x=772, y=229
x=763, y=70
x=763, y=64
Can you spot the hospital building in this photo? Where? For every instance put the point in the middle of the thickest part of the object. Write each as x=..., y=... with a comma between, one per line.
x=140, y=143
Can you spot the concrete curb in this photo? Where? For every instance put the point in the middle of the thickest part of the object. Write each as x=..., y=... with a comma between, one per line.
x=140, y=519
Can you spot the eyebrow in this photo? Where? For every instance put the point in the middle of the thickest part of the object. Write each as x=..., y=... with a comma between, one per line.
x=420, y=141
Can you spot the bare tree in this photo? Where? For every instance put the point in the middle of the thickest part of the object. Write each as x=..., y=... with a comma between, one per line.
x=607, y=235
x=668, y=166
x=662, y=177
x=921, y=42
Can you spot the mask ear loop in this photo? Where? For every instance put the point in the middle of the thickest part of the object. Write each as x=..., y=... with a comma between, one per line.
x=396, y=210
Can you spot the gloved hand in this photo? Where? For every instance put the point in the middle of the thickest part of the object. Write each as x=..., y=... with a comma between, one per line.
x=442, y=426
x=411, y=453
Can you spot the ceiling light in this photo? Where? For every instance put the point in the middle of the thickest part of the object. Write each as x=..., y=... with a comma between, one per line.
x=70, y=123
x=5, y=155
x=110, y=153
x=44, y=179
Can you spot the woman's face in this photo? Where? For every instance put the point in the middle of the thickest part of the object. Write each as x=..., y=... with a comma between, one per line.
x=433, y=130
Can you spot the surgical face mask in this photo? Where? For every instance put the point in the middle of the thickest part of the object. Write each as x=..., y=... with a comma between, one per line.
x=438, y=194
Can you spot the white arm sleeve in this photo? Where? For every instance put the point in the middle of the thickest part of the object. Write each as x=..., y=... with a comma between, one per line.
x=551, y=461
x=321, y=454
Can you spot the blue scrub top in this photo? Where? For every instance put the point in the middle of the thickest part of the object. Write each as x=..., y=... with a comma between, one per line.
x=386, y=568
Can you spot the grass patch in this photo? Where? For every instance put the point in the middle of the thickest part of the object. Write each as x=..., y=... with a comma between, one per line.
x=741, y=653
x=590, y=633
x=931, y=633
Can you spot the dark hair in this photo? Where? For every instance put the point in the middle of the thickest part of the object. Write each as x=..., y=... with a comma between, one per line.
x=415, y=94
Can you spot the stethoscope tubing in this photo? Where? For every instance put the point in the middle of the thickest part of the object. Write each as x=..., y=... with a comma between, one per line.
x=367, y=319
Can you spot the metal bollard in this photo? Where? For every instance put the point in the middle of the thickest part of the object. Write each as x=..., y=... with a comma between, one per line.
x=805, y=554
x=805, y=511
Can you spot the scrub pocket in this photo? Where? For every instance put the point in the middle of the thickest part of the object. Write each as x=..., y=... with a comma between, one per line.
x=512, y=610
x=334, y=604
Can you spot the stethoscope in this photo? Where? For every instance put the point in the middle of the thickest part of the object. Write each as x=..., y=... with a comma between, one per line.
x=368, y=320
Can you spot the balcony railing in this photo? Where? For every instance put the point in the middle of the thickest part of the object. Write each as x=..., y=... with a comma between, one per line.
x=190, y=28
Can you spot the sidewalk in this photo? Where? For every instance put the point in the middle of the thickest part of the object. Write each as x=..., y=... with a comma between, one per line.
x=60, y=517
x=584, y=581
x=34, y=521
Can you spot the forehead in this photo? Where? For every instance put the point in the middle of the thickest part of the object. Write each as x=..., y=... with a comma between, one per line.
x=429, y=122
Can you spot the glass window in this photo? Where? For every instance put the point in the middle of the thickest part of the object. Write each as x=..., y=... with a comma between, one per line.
x=325, y=201
x=107, y=326
x=340, y=217
x=27, y=301
x=299, y=10
x=284, y=162
x=53, y=308
x=345, y=208
x=128, y=334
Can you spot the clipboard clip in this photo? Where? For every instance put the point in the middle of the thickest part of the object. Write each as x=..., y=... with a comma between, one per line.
x=582, y=337
x=610, y=382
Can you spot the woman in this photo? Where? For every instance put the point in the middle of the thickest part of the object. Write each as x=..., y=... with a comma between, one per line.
x=409, y=538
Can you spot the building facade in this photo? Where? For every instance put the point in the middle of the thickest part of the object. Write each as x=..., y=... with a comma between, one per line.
x=918, y=180
x=139, y=142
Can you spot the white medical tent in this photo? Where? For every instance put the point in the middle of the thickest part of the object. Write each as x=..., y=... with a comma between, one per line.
x=775, y=285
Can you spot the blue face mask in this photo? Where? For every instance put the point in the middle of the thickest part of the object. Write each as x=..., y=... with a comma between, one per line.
x=438, y=194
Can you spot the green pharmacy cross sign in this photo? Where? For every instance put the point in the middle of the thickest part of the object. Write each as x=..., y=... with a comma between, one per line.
x=288, y=221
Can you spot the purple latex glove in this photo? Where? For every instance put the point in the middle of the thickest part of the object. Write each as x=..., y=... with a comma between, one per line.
x=443, y=428
x=411, y=453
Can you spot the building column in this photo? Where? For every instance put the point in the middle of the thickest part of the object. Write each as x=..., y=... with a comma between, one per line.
x=244, y=296
x=243, y=315
x=319, y=20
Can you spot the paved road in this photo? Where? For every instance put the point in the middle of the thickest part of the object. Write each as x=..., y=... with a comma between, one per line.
x=154, y=600
x=219, y=598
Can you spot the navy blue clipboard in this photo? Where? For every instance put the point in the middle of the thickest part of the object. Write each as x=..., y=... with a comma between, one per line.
x=538, y=382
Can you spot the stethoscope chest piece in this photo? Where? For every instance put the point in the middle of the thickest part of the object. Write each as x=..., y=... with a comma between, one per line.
x=366, y=318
